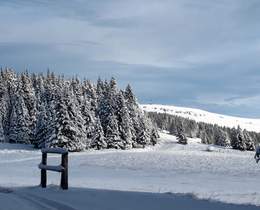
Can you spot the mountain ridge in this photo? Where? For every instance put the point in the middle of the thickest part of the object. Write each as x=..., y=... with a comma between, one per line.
x=200, y=115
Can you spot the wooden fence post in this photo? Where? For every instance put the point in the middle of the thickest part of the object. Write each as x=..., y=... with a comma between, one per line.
x=43, y=171
x=64, y=173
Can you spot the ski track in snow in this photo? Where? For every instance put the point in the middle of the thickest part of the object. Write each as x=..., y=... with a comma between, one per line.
x=44, y=203
x=30, y=201
x=52, y=198
x=222, y=175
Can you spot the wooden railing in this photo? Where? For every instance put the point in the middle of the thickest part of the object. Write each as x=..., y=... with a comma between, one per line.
x=63, y=168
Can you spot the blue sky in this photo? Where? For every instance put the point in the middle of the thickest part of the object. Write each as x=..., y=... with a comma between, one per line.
x=202, y=53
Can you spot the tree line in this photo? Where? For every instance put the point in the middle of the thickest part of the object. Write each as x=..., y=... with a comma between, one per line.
x=209, y=133
x=51, y=111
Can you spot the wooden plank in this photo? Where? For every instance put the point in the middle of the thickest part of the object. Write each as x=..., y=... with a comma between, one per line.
x=58, y=168
x=56, y=150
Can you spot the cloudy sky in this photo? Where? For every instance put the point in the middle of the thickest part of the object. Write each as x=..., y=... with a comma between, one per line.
x=202, y=53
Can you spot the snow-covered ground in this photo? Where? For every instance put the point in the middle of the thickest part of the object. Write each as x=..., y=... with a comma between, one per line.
x=222, y=175
x=204, y=116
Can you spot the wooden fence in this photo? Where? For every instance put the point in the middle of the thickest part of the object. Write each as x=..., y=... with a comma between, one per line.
x=62, y=168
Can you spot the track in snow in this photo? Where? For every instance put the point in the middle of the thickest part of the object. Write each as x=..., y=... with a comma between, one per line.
x=81, y=199
x=25, y=200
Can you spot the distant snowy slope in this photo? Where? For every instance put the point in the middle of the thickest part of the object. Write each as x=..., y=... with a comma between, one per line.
x=204, y=116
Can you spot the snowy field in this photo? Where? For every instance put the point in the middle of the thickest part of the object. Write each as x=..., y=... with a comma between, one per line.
x=149, y=177
x=203, y=116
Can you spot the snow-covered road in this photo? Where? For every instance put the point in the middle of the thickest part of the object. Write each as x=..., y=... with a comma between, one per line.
x=52, y=198
x=223, y=174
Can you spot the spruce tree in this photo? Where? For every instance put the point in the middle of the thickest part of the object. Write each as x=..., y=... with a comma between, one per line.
x=112, y=135
x=69, y=131
x=90, y=122
x=221, y=138
x=238, y=139
x=44, y=126
x=124, y=121
x=26, y=91
x=249, y=141
x=182, y=139
x=19, y=130
x=98, y=140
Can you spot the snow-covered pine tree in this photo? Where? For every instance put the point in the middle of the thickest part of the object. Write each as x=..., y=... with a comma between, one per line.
x=209, y=133
x=105, y=105
x=98, y=140
x=250, y=145
x=124, y=121
x=112, y=133
x=132, y=106
x=92, y=125
x=154, y=135
x=69, y=130
x=190, y=128
x=26, y=91
x=238, y=139
x=182, y=139
x=39, y=88
x=143, y=131
x=221, y=138
x=204, y=137
x=201, y=133
x=112, y=94
x=47, y=93
x=77, y=90
x=107, y=113
x=100, y=88
x=44, y=126
x=129, y=95
x=51, y=88
x=19, y=130
x=90, y=95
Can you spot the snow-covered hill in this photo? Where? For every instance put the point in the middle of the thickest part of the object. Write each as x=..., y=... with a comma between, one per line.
x=204, y=116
